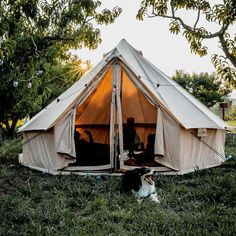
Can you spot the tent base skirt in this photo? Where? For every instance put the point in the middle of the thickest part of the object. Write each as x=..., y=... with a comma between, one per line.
x=106, y=169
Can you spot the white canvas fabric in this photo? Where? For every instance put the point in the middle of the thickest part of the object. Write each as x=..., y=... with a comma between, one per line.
x=41, y=152
x=117, y=75
x=159, y=139
x=124, y=77
x=188, y=111
x=171, y=141
x=201, y=152
x=64, y=131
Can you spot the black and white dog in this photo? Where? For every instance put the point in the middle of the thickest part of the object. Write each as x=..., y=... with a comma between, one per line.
x=140, y=182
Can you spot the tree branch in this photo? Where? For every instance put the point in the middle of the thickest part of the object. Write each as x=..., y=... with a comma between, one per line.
x=195, y=31
x=226, y=51
x=172, y=8
x=36, y=48
x=58, y=38
x=192, y=29
x=198, y=17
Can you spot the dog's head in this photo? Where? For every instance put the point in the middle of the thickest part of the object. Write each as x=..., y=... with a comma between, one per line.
x=146, y=174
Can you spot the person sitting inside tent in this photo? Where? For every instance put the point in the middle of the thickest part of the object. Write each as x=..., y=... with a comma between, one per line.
x=131, y=139
x=89, y=153
x=83, y=148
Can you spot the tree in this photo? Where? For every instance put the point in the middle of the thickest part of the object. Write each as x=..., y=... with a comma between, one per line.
x=209, y=89
x=63, y=76
x=222, y=14
x=35, y=36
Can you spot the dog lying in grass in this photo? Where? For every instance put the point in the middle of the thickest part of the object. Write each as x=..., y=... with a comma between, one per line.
x=140, y=182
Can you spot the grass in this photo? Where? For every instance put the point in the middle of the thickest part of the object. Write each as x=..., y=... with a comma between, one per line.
x=33, y=203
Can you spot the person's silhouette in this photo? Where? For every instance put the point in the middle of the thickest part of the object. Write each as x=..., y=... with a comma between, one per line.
x=129, y=135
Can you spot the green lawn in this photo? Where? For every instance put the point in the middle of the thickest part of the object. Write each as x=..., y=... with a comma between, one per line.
x=32, y=203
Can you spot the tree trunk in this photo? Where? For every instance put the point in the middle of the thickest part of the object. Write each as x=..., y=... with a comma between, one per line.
x=10, y=129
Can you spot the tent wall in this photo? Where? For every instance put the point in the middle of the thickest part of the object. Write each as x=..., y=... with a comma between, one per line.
x=40, y=151
x=196, y=154
x=171, y=141
x=64, y=134
x=159, y=148
x=134, y=104
x=96, y=108
x=94, y=112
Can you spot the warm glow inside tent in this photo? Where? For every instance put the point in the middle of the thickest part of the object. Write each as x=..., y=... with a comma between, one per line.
x=83, y=129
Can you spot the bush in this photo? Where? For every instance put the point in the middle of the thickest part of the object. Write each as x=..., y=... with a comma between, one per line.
x=10, y=149
x=230, y=114
x=230, y=145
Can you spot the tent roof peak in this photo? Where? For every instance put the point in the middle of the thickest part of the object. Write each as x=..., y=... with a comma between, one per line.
x=185, y=108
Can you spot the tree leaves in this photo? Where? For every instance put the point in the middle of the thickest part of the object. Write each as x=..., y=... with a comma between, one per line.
x=209, y=89
x=224, y=69
x=174, y=27
x=222, y=14
x=35, y=35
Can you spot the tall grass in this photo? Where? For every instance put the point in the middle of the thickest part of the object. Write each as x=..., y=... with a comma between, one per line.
x=33, y=203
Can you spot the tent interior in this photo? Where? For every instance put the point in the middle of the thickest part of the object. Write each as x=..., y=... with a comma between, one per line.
x=92, y=125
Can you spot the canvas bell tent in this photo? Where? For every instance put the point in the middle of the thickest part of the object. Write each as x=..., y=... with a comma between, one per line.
x=83, y=129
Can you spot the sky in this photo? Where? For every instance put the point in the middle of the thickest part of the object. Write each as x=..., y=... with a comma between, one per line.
x=166, y=51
